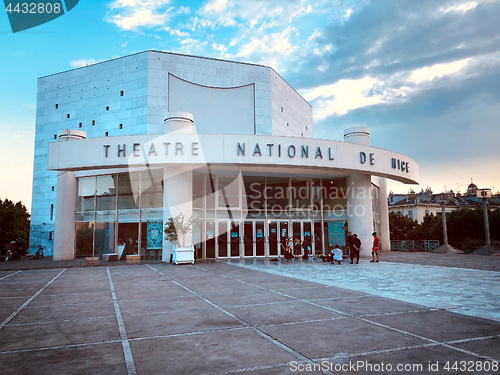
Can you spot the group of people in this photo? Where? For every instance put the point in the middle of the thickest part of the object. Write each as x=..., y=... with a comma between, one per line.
x=353, y=243
x=291, y=247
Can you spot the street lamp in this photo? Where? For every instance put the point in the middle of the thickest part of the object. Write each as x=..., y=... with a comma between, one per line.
x=444, y=248
x=485, y=194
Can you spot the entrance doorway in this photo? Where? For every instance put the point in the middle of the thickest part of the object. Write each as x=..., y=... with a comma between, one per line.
x=259, y=238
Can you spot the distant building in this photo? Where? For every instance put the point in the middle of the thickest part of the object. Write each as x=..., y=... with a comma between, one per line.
x=417, y=205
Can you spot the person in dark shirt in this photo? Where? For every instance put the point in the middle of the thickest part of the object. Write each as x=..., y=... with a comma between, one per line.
x=356, y=247
x=350, y=245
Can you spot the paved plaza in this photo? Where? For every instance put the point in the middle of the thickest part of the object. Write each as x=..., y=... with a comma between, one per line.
x=408, y=314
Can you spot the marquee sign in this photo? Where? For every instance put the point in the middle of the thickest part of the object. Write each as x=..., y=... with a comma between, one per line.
x=202, y=149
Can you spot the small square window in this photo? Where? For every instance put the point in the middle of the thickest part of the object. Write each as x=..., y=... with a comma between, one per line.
x=121, y=126
x=121, y=93
x=57, y=106
x=107, y=108
x=106, y=134
x=287, y=124
x=302, y=134
x=93, y=122
x=306, y=127
x=281, y=109
x=55, y=136
x=80, y=125
x=67, y=116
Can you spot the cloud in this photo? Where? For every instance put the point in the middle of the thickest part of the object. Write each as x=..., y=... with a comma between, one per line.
x=426, y=74
x=82, y=62
x=133, y=14
x=269, y=49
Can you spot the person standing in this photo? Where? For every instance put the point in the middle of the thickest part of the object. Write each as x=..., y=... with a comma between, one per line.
x=376, y=247
x=349, y=246
x=356, y=245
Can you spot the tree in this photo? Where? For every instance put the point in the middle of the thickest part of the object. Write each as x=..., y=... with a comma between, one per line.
x=400, y=226
x=424, y=230
x=14, y=221
x=176, y=226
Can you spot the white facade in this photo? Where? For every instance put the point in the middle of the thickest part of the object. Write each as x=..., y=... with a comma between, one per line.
x=168, y=134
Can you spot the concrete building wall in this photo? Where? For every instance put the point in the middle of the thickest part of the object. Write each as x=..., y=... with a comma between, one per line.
x=89, y=99
x=292, y=114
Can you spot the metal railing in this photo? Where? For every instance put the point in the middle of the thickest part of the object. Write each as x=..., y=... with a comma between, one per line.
x=414, y=245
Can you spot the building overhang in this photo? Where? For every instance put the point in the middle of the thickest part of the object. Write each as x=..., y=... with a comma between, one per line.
x=268, y=154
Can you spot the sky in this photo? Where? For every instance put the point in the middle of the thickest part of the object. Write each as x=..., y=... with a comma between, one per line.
x=423, y=76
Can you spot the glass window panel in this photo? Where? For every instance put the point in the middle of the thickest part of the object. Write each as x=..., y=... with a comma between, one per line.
x=229, y=214
x=128, y=188
x=198, y=213
x=198, y=195
x=106, y=193
x=254, y=189
x=152, y=189
x=104, y=238
x=277, y=193
x=84, y=239
x=88, y=216
x=152, y=214
x=335, y=215
x=228, y=190
x=300, y=215
x=277, y=212
x=106, y=216
x=86, y=194
x=301, y=196
x=131, y=215
x=210, y=189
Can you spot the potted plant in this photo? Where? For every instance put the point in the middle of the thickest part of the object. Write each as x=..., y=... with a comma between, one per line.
x=174, y=228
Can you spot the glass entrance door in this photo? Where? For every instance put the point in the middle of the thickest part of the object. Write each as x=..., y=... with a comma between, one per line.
x=260, y=242
x=210, y=242
x=284, y=237
x=222, y=240
x=273, y=242
x=297, y=238
x=234, y=239
x=248, y=239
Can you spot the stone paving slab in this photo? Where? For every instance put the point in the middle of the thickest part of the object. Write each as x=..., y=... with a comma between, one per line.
x=104, y=358
x=215, y=318
x=473, y=292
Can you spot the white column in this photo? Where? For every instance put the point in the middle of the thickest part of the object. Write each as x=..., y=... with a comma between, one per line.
x=64, y=233
x=359, y=197
x=385, y=237
x=177, y=198
x=359, y=210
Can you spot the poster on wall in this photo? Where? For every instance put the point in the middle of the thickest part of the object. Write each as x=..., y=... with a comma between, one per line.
x=336, y=235
x=154, y=235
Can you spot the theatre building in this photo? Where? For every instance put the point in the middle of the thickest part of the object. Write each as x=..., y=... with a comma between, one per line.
x=123, y=145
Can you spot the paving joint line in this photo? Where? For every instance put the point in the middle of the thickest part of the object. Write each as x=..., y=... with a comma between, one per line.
x=367, y=320
x=11, y=316
x=10, y=274
x=253, y=328
x=129, y=359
